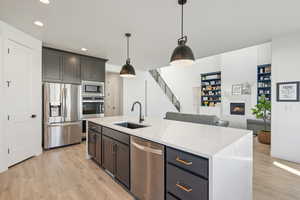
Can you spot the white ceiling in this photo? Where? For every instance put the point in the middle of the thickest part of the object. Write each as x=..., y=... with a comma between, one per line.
x=212, y=26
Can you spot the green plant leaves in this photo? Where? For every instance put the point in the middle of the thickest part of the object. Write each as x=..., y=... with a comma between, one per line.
x=263, y=109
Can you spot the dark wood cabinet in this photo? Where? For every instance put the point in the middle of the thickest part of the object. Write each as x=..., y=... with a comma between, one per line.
x=108, y=154
x=116, y=154
x=98, y=148
x=71, y=69
x=95, y=142
x=92, y=69
x=122, y=163
x=52, y=65
x=92, y=144
x=66, y=67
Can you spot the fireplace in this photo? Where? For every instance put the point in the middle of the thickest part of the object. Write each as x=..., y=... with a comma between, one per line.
x=237, y=108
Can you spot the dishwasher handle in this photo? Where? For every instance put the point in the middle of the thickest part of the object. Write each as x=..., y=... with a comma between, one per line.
x=147, y=149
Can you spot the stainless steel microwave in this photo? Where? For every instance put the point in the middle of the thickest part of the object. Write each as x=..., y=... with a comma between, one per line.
x=92, y=88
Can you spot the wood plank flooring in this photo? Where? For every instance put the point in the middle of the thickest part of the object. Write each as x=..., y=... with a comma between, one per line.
x=271, y=182
x=61, y=174
x=65, y=174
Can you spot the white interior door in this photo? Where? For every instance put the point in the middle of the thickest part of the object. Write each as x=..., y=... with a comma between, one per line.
x=19, y=129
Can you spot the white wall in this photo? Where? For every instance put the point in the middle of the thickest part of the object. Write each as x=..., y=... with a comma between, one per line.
x=239, y=67
x=285, y=116
x=112, y=68
x=134, y=90
x=264, y=53
x=183, y=81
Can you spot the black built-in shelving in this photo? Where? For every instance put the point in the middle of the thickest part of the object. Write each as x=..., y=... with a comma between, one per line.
x=210, y=89
x=264, y=81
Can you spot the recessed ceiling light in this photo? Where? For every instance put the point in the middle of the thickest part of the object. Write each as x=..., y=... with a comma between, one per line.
x=84, y=49
x=45, y=1
x=38, y=23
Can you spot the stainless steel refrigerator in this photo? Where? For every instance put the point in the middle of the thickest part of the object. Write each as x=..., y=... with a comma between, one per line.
x=62, y=114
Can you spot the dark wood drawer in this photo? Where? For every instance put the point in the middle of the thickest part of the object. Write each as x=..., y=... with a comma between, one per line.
x=121, y=137
x=185, y=185
x=94, y=127
x=170, y=197
x=195, y=164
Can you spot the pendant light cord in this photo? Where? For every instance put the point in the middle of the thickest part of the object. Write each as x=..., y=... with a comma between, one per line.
x=181, y=20
x=127, y=47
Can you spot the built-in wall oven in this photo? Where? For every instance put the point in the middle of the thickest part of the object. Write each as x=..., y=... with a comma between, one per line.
x=92, y=107
x=92, y=101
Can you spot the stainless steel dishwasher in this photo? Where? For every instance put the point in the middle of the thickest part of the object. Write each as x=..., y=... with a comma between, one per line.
x=147, y=169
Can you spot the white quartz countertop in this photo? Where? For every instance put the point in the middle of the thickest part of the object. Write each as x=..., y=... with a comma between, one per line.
x=198, y=139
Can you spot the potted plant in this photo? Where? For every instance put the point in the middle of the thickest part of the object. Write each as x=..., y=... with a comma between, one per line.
x=263, y=111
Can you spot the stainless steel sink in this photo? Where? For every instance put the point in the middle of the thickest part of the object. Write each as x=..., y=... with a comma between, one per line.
x=130, y=125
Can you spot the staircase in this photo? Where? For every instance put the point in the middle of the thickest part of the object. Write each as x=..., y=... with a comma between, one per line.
x=166, y=89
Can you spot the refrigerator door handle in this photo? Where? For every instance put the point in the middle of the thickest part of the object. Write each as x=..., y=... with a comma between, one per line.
x=65, y=124
x=62, y=103
x=65, y=102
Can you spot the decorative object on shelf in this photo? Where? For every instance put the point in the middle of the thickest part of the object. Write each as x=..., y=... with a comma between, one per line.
x=127, y=69
x=246, y=89
x=264, y=81
x=288, y=91
x=237, y=89
x=210, y=89
x=182, y=54
x=263, y=111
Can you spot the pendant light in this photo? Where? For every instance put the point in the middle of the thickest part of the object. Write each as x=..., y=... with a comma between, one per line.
x=127, y=69
x=182, y=54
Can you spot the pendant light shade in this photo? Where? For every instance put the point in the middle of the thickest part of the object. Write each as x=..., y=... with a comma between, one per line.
x=127, y=70
x=182, y=54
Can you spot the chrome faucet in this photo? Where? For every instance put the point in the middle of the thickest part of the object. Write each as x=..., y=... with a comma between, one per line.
x=132, y=109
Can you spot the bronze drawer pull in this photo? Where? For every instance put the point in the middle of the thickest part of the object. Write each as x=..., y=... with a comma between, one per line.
x=184, y=188
x=183, y=161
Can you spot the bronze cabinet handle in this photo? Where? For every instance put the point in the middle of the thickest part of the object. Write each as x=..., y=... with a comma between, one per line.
x=183, y=161
x=184, y=188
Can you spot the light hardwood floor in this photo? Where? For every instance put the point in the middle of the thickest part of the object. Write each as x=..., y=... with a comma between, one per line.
x=65, y=174
x=271, y=182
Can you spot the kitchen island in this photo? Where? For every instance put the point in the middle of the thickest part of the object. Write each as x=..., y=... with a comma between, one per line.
x=222, y=157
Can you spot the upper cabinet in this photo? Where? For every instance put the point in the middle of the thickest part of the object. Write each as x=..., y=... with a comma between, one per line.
x=92, y=69
x=71, y=69
x=52, y=65
x=65, y=67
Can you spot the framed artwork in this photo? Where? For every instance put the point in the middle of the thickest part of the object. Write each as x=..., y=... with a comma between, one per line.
x=288, y=91
x=237, y=89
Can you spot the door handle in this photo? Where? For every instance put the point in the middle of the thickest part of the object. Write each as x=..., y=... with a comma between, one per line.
x=33, y=116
